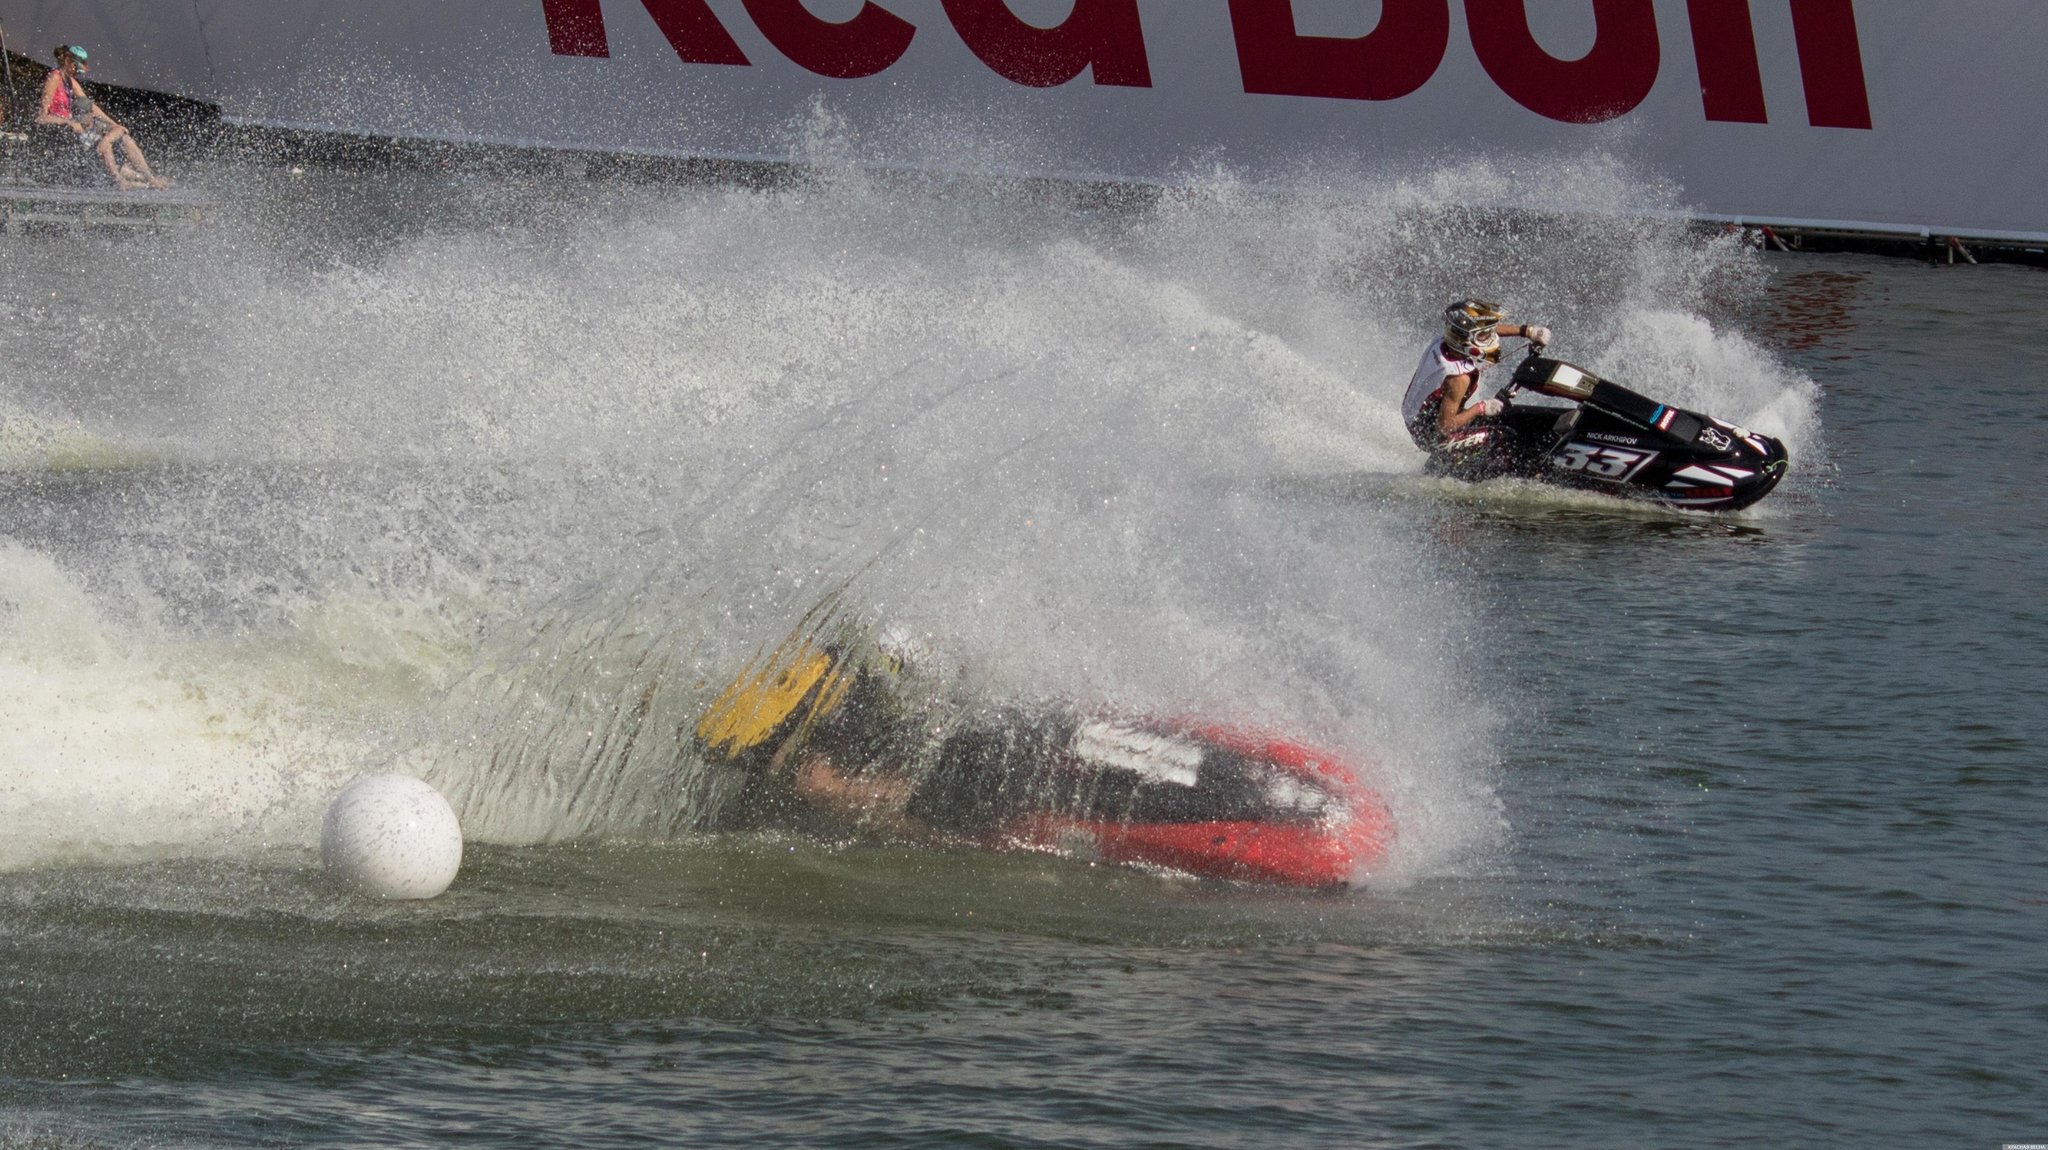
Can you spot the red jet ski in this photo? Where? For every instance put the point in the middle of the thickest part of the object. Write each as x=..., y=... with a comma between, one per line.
x=831, y=742
x=1208, y=801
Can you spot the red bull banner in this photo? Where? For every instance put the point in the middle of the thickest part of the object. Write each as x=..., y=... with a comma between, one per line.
x=1892, y=115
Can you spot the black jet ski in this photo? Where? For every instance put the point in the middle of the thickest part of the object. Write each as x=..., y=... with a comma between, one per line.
x=1614, y=441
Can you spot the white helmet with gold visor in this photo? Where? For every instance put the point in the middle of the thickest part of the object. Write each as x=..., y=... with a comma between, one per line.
x=1472, y=329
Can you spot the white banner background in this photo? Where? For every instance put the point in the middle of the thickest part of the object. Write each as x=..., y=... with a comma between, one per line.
x=1957, y=107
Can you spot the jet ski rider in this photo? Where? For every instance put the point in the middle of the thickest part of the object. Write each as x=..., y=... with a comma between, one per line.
x=1442, y=408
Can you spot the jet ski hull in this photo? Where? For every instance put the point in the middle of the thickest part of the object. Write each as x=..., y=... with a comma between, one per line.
x=1616, y=442
x=822, y=735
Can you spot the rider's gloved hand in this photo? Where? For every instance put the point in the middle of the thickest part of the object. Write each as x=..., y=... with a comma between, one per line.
x=1491, y=407
x=1537, y=333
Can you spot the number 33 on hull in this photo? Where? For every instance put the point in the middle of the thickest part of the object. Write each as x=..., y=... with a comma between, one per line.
x=1612, y=440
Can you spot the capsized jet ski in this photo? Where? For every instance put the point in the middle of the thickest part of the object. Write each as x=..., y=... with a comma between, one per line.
x=833, y=737
x=1615, y=441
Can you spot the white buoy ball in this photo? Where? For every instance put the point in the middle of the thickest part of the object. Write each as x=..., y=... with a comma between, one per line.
x=392, y=836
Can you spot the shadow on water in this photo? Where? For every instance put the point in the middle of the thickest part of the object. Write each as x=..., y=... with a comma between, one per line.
x=275, y=968
x=1514, y=507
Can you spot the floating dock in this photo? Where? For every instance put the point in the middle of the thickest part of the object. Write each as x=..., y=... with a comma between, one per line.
x=25, y=205
x=26, y=201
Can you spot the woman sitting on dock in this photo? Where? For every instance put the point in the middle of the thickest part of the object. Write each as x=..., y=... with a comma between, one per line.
x=65, y=105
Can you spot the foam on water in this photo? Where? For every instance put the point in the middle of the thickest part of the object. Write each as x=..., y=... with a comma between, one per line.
x=113, y=749
x=530, y=467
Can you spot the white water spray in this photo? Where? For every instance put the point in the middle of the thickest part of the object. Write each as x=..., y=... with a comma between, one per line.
x=466, y=492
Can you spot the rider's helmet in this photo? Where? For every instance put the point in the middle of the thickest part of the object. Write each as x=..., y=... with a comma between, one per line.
x=1471, y=329
x=71, y=51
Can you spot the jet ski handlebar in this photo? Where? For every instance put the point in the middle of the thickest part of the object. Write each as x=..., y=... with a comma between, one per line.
x=1514, y=384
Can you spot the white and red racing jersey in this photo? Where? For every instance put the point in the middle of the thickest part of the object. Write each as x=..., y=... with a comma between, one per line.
x=1426, y=391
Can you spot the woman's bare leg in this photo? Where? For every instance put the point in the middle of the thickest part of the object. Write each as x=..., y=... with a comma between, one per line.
x=122, y=179
x=134, y=165
x=139, y=162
